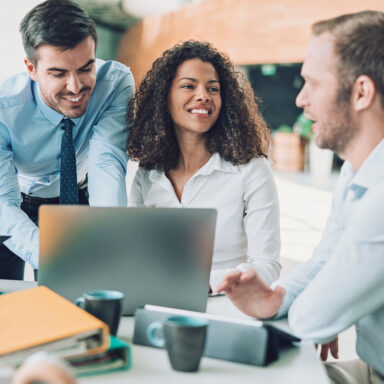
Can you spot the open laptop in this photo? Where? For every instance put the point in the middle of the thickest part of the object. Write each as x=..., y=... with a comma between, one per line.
x=159, y=256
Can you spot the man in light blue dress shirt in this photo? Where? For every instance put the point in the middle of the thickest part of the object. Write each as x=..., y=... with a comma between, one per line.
x=64, y=79
x=342, y=285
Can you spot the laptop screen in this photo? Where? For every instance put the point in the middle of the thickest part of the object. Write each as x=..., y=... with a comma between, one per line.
x=159, y=256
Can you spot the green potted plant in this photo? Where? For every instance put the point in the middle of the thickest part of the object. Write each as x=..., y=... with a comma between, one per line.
x=303, y=127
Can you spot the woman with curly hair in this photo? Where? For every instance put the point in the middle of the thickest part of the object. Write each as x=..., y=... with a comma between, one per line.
x=201, y=143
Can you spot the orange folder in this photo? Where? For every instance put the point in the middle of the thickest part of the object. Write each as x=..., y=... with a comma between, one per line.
x=39, y=319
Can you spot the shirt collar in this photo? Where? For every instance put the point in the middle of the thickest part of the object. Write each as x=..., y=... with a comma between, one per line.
x=372, y=170
x=53, y=116
x=215, y=163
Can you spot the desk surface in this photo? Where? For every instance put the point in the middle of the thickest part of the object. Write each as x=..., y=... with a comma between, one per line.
x=295, y=365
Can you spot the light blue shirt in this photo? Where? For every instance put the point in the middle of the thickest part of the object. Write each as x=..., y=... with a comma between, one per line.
x=343, y=283
x=30, y=139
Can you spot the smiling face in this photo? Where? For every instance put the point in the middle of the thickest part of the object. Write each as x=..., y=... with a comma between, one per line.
x=66, y=78
x=194, y=99
x=334, y=126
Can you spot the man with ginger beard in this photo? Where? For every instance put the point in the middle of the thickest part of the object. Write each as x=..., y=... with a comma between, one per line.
x=342, y=284
x=62, y=128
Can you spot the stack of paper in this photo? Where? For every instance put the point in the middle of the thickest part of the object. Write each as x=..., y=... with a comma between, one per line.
x=117, y=357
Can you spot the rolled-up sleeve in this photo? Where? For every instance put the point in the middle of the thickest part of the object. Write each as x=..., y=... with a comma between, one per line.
x=297, y=280
x=107, y=157
x=14, y=222
x=350, y=285
x=261, y=224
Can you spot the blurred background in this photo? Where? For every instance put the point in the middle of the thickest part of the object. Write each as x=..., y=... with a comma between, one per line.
x=265, y=39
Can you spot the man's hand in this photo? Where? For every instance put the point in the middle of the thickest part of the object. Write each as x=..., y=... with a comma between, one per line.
x=249, y=292
x=332, y=346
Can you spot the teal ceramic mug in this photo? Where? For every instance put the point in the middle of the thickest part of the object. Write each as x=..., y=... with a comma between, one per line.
x=104, y=304
x=183, y=337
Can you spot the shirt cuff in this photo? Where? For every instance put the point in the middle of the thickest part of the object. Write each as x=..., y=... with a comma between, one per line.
x=33, y=258
x=287, y=301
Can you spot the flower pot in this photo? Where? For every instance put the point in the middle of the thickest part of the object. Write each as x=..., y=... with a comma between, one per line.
x=287, y=152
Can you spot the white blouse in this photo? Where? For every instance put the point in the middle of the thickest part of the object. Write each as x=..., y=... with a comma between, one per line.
x=245, y=197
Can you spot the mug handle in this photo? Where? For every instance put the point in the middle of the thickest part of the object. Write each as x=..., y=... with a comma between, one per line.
x=80, y=301
x=152, y=337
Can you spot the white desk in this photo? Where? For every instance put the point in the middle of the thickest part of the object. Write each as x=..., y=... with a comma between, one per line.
x=295, y=365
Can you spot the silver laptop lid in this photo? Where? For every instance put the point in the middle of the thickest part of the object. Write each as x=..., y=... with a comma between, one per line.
x=159, y=256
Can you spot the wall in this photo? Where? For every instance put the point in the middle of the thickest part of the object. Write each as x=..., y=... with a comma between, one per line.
x=108, y=43
x=12, y=12
x=12, y=52
x=250, y=31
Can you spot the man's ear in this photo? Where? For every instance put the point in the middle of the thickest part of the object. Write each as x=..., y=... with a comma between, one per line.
x=363, y=93
x=31, y=69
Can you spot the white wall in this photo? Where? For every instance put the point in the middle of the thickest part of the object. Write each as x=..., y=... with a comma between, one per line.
x=11, y=47
x=143, y=8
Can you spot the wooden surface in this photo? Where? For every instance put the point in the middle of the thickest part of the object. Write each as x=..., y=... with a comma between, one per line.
x=249, y=31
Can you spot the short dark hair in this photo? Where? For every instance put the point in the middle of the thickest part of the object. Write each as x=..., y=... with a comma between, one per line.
x=61, y=23
x=238, y=135
x=359, y=42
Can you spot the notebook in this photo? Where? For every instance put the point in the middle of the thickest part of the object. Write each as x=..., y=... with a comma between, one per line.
x=118, y=357
x=159, y=256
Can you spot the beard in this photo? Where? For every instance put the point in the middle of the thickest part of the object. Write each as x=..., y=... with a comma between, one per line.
x=339, y=128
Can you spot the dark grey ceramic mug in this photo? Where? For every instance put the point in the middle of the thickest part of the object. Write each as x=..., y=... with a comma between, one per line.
x=183, y=337
x=105, y=305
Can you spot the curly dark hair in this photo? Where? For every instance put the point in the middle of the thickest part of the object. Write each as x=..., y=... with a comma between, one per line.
x=238, y=135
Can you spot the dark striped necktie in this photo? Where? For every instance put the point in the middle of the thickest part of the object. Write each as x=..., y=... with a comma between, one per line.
x=68, y=171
